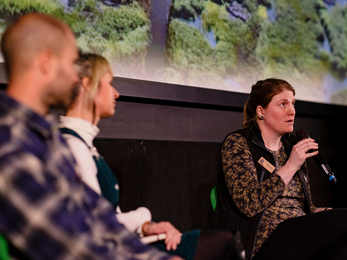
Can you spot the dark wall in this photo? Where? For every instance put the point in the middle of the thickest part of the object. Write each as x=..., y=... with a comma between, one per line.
x=172, y=179
x=165, y=151
x=163, y=144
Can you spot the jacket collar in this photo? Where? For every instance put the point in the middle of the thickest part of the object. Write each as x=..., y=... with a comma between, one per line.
x=34, y=121
x=287, y=139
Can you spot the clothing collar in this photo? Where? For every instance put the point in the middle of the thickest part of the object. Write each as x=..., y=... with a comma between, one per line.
x=256, y=136
x=82, y=127
x=34, y=121
x=258, y=139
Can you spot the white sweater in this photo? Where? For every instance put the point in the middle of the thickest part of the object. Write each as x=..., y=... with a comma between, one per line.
x=132, y=220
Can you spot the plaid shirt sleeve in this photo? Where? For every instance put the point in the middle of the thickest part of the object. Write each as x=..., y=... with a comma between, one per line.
x=49, y=214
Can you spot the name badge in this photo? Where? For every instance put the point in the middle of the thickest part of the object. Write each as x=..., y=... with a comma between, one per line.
x=268, y=166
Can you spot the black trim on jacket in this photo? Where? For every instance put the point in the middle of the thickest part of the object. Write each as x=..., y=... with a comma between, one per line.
x=227, y=215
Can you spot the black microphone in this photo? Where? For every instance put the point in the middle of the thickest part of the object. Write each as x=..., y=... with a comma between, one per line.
x=302, y=134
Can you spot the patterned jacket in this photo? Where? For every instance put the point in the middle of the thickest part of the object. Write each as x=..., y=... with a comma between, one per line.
x=246, y=188
x=46, y=211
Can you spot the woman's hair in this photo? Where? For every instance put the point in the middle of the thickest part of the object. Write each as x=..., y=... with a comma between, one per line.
x=261, y=95
x=94, y=67
x=82, y=68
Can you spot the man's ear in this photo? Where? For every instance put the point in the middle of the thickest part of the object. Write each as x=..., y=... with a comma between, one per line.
x=47, y=62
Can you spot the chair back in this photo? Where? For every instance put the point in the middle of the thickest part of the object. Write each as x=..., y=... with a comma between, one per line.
x=4, y=254
x=214, y=198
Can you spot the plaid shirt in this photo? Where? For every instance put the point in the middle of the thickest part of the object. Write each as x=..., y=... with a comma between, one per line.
x=45, y=210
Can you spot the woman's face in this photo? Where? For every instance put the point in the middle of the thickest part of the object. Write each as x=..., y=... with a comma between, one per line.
x=105, y=98
x=279, y=114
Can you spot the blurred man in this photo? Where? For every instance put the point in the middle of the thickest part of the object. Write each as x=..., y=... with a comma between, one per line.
x=45, y=210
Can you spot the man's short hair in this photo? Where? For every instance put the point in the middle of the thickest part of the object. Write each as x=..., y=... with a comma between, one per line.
x=28, y=36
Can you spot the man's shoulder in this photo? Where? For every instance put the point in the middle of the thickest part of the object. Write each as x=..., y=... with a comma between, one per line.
x=5, y=128
x=15, y=136
x=8, y=144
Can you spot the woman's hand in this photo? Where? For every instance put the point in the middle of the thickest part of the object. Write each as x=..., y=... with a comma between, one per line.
x=173, y=236
x=297, y=158
x=300, y=152
x=320, y=209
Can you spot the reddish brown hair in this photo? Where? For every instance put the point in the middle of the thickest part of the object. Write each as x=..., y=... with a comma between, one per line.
x=261, y=95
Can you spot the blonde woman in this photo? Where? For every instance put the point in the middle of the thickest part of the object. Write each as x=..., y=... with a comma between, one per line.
x=94, y=98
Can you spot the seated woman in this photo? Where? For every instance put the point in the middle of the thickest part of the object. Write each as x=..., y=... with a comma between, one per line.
x=263, y=184
x=94, y=98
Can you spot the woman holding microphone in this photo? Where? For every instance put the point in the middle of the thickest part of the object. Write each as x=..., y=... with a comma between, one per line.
x=264, y=186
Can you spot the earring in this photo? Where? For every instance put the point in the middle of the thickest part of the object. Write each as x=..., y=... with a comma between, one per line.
x=262, y=117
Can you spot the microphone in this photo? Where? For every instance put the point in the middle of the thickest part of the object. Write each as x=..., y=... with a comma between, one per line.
x=302, y=134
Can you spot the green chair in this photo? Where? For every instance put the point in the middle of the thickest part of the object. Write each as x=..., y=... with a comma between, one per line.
x=4, y=254
x=214, y=197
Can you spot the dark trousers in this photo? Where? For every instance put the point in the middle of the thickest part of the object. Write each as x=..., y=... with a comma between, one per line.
x=316, y=236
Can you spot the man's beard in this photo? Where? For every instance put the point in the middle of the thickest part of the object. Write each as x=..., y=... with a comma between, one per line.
x=61, y=102
x=74, y=93
x=59, y=108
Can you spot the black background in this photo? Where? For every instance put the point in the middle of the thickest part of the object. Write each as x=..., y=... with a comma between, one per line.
x=163, y=145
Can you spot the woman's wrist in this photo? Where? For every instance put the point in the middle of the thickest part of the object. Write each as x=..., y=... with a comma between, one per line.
x=144, y=227
x=287, y=172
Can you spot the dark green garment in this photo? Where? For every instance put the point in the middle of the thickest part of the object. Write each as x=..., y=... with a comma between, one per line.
x=186, y=249
x=107, y=180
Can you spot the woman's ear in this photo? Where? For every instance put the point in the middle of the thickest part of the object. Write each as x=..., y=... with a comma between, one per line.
x=86, y=83
x=260, y=112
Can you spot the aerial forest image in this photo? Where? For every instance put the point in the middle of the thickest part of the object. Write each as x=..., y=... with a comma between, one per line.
x=218, y=44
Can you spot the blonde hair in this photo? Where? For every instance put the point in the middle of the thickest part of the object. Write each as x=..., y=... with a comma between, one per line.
x=98, y=67
x=94, y=67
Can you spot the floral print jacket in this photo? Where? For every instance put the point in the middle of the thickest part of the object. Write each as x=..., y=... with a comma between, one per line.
x=252, y=198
